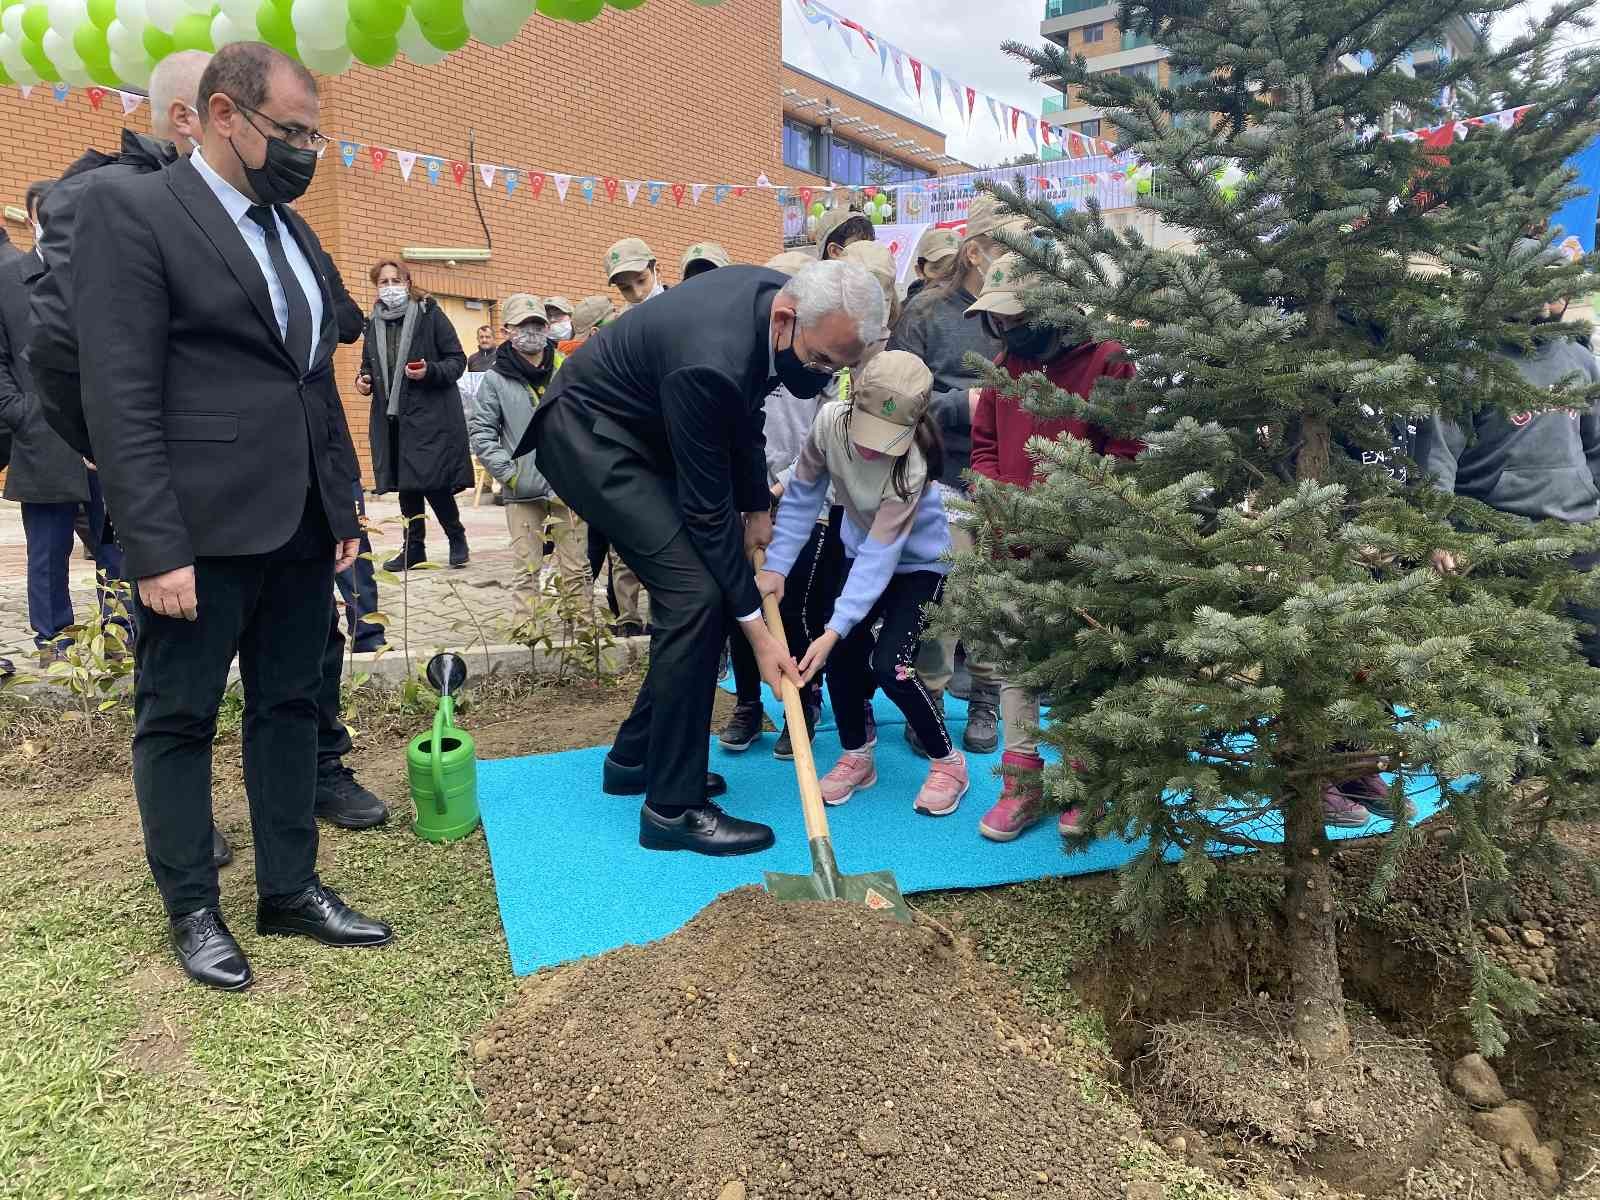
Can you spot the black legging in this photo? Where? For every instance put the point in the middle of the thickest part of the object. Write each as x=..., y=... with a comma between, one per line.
x=858, y=662
x=798, y=608
x=444, y=507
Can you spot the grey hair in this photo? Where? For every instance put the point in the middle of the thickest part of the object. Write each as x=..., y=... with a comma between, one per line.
x=838, y=286
x=176, y=77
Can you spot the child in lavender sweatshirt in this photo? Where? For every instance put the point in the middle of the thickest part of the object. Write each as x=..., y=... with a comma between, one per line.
x=880, y=450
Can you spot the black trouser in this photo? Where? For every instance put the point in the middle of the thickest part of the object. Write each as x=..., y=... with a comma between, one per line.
x=858, y=662
x=1588, y=640
x=358, y=589
x=443, y=502
x=274, y=611
x=798, y=608
x=599, y=555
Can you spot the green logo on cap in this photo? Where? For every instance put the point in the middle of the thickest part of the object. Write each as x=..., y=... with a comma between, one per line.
x=998, y=276
x=615, y=254
x=888, y=408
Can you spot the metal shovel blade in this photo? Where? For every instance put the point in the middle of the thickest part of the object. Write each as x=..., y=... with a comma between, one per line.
x=876, y=890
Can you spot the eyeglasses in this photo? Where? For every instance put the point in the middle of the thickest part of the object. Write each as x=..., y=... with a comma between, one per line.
x=300, y=139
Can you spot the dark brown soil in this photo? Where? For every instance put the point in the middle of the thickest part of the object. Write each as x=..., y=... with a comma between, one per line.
x=803, y=1050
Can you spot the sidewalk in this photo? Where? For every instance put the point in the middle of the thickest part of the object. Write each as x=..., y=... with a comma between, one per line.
x=444, y=604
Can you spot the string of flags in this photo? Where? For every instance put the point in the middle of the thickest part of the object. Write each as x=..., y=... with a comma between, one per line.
x=97, y=96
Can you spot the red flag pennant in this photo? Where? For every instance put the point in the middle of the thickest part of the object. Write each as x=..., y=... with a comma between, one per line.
x=458, y=171
x=678, y=191
x=738, y=191
x=536, y=183
x=1045, y=129
x=869, y=193
x=865, y=36
x=805, y=198
x=611, y=185
x=1016, y=115
x=916, y=73
x=379, y=157
x=97, y=97
x=972, y=98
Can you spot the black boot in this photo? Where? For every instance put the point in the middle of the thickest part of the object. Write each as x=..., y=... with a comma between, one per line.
x=221, y=852
x=459, y=555
x=785, y=748
x=621, y=779
x=342, y=801
x=413, y=552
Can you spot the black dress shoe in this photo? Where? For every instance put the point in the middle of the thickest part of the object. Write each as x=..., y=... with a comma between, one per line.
x=318, y=913
x=342, y=800
x=221, y=852
x=619, y=779
x=706, y=830
x=207, y=952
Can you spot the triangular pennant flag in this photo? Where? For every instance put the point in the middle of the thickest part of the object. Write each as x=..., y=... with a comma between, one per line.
x=536, y=183
x=883, y=58
x=26, y=89
x=433, y=166
x=1015, y=113
x=586, y=186
x=130, y=101
x=562, y=183
x=60, y=92
x=869, y=192
x=487, y=172
x=916, y=74
x=97, y=97
x=347, y=151
x=407, y=159
x=631, y=187
x=805, y=198
x=511, y=180
x=972, y=97
x=994, y=111
x=1044, y=128
x=783, y=197
x=677, y=194
x=865, y=36
x=458, y=171
x=654, y=193
x=378, y=155
x=938, y=88
x=737, y=192
x=899, y=69
x=763, y=182
x=695, y=193
x=849, y=42
x=720, y=193
x=610, y=183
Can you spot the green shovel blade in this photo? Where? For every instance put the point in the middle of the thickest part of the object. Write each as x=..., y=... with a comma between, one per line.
x=876, y=890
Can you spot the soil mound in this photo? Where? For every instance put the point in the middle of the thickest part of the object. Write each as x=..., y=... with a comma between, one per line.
x=772, y=1050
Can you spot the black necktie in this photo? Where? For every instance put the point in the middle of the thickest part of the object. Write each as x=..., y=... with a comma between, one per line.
x=298, y=335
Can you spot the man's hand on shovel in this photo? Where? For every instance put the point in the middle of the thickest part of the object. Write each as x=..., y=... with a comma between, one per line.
x=772, y=657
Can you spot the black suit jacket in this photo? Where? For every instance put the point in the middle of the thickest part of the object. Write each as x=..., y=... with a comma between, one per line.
x=680, y=380
x=206, y=431
x=44, y=469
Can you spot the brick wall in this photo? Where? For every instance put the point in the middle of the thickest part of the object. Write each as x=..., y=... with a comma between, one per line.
x=669, y=91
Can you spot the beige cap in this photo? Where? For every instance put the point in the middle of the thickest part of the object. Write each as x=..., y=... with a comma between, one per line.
x=521, y=307
x=630, y=254
x=836, y=218
x=1001, y=293
x=710, y=252
x=591, y=311
x=887, y=398
x=984, y=215
x=790, y=262
x=559, y=303
x=936, y=245
x=878, y=259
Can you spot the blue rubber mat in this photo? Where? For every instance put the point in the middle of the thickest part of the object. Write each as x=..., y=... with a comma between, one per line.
x=572, y=880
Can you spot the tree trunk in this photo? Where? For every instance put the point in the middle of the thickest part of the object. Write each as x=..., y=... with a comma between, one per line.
x=1316, y=444
x=1319, y=1024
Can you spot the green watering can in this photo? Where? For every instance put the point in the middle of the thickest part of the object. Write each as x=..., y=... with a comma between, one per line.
x=442, y=763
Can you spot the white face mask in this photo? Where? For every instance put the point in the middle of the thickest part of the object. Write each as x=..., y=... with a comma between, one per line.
x=561, y=330
x=529, y=339
x=394, y=295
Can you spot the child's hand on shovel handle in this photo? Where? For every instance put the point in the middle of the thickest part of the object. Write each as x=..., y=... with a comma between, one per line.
x=817, y=654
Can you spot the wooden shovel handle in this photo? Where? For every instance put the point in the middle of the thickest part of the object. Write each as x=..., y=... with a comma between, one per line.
x=805, y=766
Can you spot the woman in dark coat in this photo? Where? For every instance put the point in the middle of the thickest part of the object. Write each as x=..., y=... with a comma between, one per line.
x=410, y=361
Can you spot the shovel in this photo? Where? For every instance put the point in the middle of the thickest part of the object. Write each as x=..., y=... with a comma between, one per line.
x=876, y=890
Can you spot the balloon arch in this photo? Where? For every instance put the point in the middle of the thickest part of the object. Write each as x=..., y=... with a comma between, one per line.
x=115, y=43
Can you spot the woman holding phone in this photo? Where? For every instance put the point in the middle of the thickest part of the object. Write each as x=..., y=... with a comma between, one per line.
x=410, y=361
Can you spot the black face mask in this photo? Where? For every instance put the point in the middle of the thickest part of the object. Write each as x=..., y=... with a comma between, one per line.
x=802, y=382
x=284, y=176
x=1030, y=341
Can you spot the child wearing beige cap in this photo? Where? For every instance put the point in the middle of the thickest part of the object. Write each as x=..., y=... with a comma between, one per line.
x=880, y=451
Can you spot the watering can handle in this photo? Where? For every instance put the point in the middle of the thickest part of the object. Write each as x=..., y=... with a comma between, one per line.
x=442, y=718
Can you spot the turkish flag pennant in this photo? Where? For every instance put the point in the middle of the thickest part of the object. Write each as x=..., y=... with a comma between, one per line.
x=869, y=193
x=379, y=156
x=677, y=194
x=536, y=183
x=737, y=192
x=972, y=98
x=1045, y=129
x=805, y=198
x=97, y=97
x=611, y=185
x=1015, y=116
x=458, y=171
x=916, y=74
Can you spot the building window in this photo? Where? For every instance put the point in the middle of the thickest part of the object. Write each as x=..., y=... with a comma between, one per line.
x=800, y=147
x=1089, y=128
x=1094, y=33
x=1132, y=41
x=1146, y=71
x=857, y=166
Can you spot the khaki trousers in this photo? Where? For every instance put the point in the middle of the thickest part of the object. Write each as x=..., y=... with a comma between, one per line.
x=526, y=521
x=936, y=660
x=626, y=584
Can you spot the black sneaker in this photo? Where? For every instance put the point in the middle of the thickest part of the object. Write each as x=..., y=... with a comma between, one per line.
x=409, y=556
x=342, y=801
x=628, y=629
x=784, y=750
x=743, y=728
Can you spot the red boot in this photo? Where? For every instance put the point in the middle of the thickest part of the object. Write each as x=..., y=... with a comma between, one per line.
x=1021, y=802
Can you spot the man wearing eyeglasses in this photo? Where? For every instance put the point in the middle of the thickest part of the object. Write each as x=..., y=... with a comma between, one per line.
x=229, y=472
x=653, y=434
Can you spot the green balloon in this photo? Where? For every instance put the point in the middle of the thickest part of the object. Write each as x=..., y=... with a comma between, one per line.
x=876, y=216
x=89, y=41
x=375, y=50
x=818, y=208
x=156, y=44
x=35, y=23
x=377, y=18
x=5, y=77
x=572, y=10
x=625, y=5
x=448, y=40
x=439, y=14
x=272, y=23
x=102, y=12
x=33, y=53
x=103, y=75
x=192, y=32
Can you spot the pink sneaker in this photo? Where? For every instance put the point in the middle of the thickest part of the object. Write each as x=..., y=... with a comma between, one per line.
x=1342, y=812
x=942, y=791
x=853, y=773
x=1021, y=802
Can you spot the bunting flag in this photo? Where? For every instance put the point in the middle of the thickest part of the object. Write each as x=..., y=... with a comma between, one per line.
x=562, y=183
x=406, y=160
x=458, y=171
x=586, y=186
x=486, y=172
x=60, y=92
x=97, y=97
x=632, y=188
x=434, y=167
x=883, y=58
x=994, y=111
x=1033, y=129
x=611, y=184
x=719, y=193
x=899, y=70
x=1016, y=113
x=805, y=198
x=695, y=192
x=379, y=155
x=677, y=194
x=865, y=36
x=654, y=192
x=26, y=89
x=916, y=76
x=511, y=180
x=972, y=98
x=535, y=183
x=130, y=101
x=938, y=88
x=347, y=151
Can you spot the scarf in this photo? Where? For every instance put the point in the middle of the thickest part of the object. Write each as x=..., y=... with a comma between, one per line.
x=514, y=367
x=394, y=373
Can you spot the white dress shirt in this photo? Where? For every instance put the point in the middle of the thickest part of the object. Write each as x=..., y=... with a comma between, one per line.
x=238, y=206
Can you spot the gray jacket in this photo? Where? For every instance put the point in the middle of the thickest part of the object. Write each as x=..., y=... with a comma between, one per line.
x=1544, y=466
x=501, y=413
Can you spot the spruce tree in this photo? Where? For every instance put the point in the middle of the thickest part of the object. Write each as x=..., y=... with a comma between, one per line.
x=1247, y=614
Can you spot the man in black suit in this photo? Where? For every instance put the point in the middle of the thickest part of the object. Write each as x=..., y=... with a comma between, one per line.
x=229, y=473
x=652, y=432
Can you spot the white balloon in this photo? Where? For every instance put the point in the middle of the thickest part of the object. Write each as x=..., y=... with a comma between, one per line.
x=133, y=71
x=60, y=52
x=319, y=24
x=326, y=62
x=123, y=40
x=131, y=13
x=493, y=21
x=242, y=12
x=66, y=16
x=164, y=14
x=204, y=7
x=223, y=31
x=11, y=58
x=11, y=24
x=413, y=44
x=491, y=36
